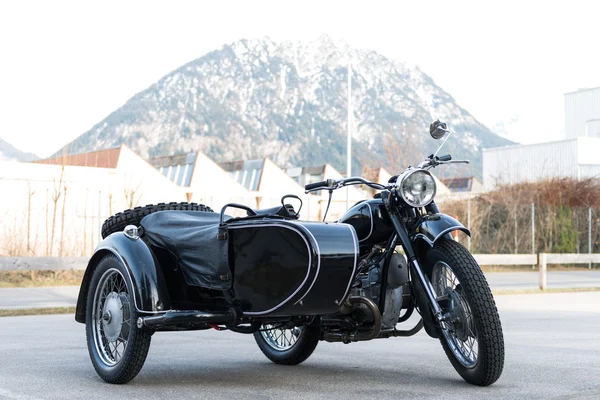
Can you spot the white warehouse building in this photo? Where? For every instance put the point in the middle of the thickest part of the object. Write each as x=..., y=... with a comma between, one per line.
x=574, y=158
x=577, y=156
x=582, y=113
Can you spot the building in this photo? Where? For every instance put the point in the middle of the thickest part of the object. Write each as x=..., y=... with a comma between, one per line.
x=576, y=158
x=267, y=184
x=582, y=113
x=203, y=180
x=55, y=207
x=463, y=185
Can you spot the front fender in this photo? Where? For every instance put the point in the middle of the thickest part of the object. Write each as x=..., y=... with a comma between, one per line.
x=150, y=292
x=434, y=226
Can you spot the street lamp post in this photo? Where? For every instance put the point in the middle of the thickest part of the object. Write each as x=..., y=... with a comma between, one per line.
x=349, y=147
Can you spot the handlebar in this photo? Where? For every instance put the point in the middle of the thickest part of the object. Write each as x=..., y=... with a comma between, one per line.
x=433, y=161
x=332, y=184
x=315, y=185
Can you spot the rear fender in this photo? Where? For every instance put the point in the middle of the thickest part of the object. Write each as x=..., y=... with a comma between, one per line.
x=150, y=292
x=432, y=227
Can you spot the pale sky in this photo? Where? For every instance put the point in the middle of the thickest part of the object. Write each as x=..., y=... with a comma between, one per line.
x=64, y=66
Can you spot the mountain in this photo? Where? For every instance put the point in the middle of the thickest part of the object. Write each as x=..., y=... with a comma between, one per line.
x=288, y=101
x=9, y=153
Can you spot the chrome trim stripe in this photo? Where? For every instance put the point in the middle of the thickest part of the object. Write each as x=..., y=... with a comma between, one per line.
x=318, y=261
x=444, y=232
x=309, y=263
x=354, y=240
x=371, y=218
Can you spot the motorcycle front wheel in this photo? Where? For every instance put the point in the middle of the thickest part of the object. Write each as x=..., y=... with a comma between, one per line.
x=287, y=346
x=471, y=334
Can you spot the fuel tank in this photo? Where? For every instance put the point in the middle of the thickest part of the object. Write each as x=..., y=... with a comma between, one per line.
x=370, y=221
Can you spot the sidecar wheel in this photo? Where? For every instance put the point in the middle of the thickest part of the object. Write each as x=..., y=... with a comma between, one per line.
x=116, y=346
x=472, y=335
x=287, y=346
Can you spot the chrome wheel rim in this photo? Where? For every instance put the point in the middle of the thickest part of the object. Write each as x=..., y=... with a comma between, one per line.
x=459, y=327
x=280, y=339
x=111, y=317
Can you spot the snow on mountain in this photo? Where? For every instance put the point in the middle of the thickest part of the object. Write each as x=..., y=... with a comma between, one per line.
x=9, y=153
x=288, y=101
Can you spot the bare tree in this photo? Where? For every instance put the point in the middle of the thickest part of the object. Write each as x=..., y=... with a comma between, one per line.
x=55, y=197
x=132, y=195
x=85, y=216
x=30, y=194
x=47, y=220
x=62, y=223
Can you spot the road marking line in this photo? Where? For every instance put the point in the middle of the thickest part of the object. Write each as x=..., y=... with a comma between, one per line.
x=16, y=396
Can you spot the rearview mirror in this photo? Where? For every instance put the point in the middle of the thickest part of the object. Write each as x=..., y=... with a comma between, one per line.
x=438, y=129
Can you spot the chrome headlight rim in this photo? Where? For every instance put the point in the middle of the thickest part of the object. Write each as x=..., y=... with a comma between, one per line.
x=406, y=176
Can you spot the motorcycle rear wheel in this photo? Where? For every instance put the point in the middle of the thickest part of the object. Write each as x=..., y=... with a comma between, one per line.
x=473, y=339
x=287, y=346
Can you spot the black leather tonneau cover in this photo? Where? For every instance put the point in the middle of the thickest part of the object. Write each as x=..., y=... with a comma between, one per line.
x=191, y=236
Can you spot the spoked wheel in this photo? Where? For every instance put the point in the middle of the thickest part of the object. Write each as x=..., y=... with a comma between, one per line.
x=471, y=331
x=459, y=331
x=117, y=347
x=287, y=346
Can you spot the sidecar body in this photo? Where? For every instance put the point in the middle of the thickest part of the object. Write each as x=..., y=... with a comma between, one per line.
x=262, y=266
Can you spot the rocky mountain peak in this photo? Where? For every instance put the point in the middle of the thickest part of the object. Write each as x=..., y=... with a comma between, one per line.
x=256, y=98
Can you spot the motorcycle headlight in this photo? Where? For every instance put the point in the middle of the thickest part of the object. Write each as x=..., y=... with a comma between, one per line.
x=417, y=188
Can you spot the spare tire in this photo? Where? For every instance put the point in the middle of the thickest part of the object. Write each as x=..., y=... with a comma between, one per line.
x=134, y=216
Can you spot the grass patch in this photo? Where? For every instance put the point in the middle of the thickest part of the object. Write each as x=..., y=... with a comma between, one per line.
x=11, y=279
x=37, y=311
x=551, y=290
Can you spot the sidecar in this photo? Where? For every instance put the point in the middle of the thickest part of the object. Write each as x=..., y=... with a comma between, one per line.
x=181, y=270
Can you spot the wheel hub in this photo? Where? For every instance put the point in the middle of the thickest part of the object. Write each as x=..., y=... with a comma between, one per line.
x=459, y=318
x=112, y=316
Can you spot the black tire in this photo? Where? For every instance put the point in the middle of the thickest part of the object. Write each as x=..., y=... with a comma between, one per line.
x=304, y=346
x=137, y=343
x=119, y=221
x=475, y=291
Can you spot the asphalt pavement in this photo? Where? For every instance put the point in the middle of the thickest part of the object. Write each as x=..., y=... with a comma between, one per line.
x=552, y=352
x=65, y=296
x=38, y=297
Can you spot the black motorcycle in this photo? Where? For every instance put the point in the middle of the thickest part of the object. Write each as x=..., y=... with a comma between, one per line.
x=292, y=283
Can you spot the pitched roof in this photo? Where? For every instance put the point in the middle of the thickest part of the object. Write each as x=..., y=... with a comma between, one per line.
x=247, y=173
x=100, y=159
x=178, y=168
x=459, y=184
x=305, y=175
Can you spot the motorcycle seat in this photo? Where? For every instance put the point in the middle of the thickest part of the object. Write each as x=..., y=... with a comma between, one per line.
x=191, y=237
x=286, y=211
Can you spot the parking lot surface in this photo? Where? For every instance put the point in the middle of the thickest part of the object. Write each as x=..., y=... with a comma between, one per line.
x=552, y=351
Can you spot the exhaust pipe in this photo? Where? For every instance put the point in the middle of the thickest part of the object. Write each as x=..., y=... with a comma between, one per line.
x=360, y=336
x=187, y=318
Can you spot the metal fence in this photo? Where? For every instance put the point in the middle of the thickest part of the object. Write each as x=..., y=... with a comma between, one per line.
x=529, y=228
